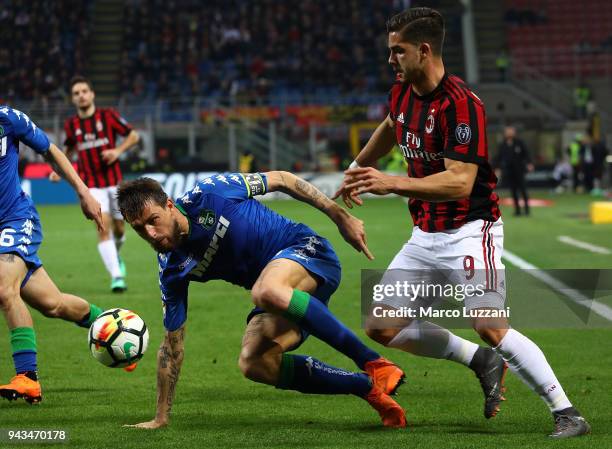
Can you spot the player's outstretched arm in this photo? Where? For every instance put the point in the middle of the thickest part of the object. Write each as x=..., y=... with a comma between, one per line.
x=60, y=163
x=349, y=226
x=454, y=183
x=380, y=143
x=169, y=362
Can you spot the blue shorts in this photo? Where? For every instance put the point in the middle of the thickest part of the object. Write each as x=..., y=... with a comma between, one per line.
x=316, y=254
x=22, y=236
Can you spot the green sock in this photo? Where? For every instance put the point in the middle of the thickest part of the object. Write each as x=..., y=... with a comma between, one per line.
x=297, y=306
x=23, y=345
x=94, y=312
x=285, y=378
x=23, y=339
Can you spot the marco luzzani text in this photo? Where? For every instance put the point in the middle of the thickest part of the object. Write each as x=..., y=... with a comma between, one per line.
x=411, y=291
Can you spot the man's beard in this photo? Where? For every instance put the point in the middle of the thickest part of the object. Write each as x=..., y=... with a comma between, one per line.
x=170, y=244
x=410, y=75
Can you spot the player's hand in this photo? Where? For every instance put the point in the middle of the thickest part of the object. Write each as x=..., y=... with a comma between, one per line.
x=369, y=180
x=348, y=196
x=153, y=424
x=352, y=230
x=110, y=156
x=92, y=209
x=54, y=177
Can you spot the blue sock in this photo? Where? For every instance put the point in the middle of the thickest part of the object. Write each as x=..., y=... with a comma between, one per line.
x=312, y=315
x=24, y=361
x=309, y=375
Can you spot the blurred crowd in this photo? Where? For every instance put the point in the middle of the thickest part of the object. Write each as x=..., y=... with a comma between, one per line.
x=42, y=45
x=250, y=50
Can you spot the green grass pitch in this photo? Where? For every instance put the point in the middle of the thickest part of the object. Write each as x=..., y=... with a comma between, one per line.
x=216, y=407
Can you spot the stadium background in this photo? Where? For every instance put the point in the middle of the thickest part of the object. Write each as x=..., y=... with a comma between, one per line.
x=299, y=85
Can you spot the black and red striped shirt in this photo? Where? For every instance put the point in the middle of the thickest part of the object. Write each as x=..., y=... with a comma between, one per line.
x=89, y=137
x=449, y=122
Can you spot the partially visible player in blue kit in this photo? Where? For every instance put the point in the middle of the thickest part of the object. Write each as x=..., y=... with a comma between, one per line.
x=22, y=277
x=218, y=231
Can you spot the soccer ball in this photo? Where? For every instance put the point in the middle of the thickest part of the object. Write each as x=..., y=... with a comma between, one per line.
x=118, y=338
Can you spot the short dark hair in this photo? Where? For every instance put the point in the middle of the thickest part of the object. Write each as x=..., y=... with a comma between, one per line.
x=133, y=195
x=79, y=79
x=418, y=25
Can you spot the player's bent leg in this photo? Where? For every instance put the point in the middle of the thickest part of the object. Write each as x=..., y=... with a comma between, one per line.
x=527, y=361
x=427, y=339
x=41, y=293
x=22, y=336
x=414, y=264
x=263, y=359
x=285, y=287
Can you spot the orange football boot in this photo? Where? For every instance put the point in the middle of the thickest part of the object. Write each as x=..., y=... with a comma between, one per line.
x=385, y=374
x=21, y=386
x=130, y=368
x=390, y=411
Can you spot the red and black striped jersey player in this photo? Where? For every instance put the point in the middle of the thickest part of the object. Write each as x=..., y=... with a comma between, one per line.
x=439, y=125
x=92, y=133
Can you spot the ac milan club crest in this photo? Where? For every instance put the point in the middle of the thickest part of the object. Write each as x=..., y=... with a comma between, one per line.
x=429, y=124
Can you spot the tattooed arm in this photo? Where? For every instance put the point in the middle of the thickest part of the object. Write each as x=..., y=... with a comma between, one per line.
x=169, y=362
x=350, y=227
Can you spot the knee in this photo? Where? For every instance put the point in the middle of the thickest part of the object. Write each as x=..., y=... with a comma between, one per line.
x=118, y=230
x=104, y=235
x=382, y=336
x=8, y=295
x=253, y=366
x=268, y=297
x=492, y=335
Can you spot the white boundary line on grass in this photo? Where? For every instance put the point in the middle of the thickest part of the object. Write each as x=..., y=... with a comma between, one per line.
x=572, y=294
x=583, y=245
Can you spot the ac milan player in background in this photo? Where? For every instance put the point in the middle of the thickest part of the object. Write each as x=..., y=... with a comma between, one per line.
x=92, y=133
x=440, y=127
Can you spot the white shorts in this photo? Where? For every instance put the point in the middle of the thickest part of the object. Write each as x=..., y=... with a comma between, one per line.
x=107, y=197
x=469, y=255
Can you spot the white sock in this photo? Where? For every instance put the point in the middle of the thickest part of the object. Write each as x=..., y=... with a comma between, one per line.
x=108, y=252
x=528, y=362
x=430, y=340
x=119, y=242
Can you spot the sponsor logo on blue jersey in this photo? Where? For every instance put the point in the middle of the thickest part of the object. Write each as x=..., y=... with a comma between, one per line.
x=213, y=247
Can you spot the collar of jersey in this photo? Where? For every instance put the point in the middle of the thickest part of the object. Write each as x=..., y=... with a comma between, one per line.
x=182, y=211
x=431, y=94
x=89, y=116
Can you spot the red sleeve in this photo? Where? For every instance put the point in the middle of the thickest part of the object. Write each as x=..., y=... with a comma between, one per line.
x=463, y=127
x=118, y=123
x=69, y=141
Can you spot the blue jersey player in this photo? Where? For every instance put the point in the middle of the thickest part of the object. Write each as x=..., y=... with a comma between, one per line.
x=22, y=278
x=218, y=231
